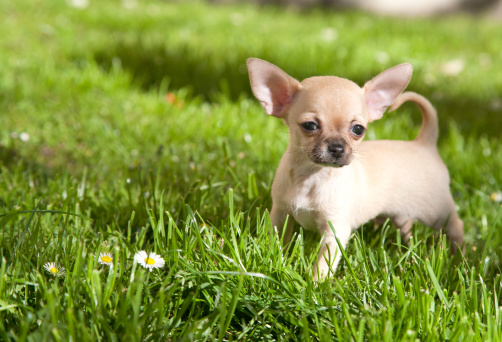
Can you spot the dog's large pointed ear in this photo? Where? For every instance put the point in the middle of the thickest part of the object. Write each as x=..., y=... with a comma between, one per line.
x=381, y=91
x=271, y=86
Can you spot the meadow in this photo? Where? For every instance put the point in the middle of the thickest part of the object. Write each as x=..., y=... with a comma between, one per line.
x=130, y=125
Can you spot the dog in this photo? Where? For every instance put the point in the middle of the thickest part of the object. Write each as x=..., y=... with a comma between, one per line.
x=331, y=181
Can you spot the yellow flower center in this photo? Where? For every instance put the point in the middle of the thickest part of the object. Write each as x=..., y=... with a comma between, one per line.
x=106, y=258
x=54, y=270
x=149, y=261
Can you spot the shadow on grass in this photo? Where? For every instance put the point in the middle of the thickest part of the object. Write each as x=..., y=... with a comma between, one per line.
x=151, y=66
x=207, y=75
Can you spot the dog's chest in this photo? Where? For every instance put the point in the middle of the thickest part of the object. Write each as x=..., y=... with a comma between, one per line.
x=305, y=213
x=314, y=203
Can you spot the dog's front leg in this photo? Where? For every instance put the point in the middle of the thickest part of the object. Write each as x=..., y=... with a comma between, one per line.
x=278, y=218
x=329, y=255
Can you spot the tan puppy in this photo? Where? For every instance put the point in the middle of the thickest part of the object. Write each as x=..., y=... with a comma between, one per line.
x=329, y=175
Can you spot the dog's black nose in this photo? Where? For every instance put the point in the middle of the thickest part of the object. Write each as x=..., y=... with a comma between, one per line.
x=336, y=149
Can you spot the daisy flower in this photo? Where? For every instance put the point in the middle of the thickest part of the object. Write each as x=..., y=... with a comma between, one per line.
x=496, y=196
x=106, y=258
x=54, y=270
x=149, y=260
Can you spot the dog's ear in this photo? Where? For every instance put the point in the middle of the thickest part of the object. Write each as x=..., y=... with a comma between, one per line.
x=381, y=91
x=271, y=86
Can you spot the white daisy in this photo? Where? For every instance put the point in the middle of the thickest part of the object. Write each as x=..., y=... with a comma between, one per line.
x=24, y=136
x=54, y=270
x=106, y=258
x=496, y=196
x=149, y=260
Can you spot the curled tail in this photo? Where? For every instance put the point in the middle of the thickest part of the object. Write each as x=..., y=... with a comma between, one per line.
x=429, y=131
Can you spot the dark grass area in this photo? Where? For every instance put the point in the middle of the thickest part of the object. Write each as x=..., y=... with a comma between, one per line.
x=154, y=67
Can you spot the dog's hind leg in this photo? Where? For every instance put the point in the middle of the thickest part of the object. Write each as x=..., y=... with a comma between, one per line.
x=455, y=232
x=404, y=224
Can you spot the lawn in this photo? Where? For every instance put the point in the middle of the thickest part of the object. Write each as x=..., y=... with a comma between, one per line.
x=130, y=125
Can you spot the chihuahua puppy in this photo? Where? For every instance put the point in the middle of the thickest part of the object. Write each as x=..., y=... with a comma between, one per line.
x=331, y=181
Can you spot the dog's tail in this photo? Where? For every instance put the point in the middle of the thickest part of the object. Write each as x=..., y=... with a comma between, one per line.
x=429, y=131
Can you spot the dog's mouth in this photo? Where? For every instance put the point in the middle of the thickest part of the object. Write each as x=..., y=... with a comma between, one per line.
x=334, y=164
x=323, y=157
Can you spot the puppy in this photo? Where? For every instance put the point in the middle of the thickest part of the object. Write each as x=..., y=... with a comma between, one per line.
x=331, y=181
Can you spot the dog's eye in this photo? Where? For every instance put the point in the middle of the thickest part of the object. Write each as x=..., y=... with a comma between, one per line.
x=358, y=130
x=310, y=126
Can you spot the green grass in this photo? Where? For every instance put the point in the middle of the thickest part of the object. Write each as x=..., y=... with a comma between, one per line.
x=111, y=165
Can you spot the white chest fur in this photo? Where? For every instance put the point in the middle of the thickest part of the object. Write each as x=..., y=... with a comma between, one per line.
x=320, y=197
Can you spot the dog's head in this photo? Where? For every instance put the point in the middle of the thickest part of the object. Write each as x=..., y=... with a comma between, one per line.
x=327, y=116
